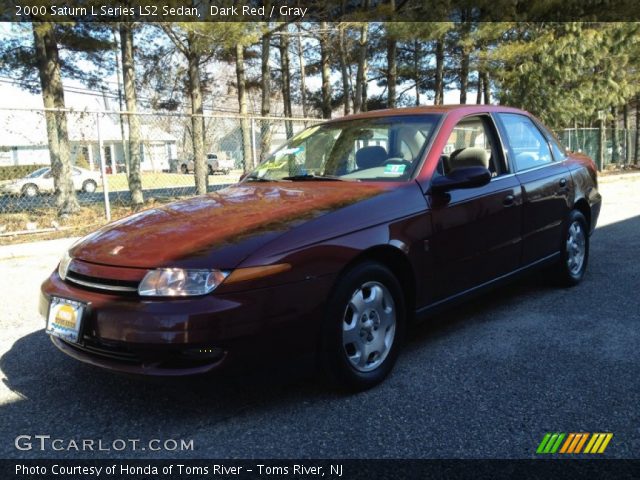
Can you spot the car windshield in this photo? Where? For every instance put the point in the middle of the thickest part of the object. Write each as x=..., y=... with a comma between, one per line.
x=379, y=149
x=37, y=173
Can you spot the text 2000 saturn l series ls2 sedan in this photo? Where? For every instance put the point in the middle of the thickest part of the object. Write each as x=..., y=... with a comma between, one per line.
x=349, y=231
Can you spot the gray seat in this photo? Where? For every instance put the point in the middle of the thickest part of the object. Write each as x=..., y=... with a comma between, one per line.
x=370, y=157
x=469, y=157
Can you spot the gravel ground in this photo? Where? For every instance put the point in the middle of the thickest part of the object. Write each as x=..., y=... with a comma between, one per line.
x=485, y=380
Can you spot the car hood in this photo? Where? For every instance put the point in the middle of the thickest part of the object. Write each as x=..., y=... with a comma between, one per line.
x=217, y=230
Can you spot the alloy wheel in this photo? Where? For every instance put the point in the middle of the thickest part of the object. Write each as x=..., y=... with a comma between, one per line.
x=576, y=247
x=368, y=326
x=31, y=191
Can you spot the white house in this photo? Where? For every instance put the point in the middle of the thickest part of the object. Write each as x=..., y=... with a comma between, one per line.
x=23, y=140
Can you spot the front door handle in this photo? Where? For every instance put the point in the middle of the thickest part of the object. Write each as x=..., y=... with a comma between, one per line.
x=508, y=200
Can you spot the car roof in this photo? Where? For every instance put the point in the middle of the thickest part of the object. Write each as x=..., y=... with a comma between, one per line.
x=427, y=109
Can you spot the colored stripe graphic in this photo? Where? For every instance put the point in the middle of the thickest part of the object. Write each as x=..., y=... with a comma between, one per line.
x=574, y=443
x=555, y=447
x=543, y=443
x=605, y=442
x=571, y=439
x=591, y=443
x=550, y=443
x=581, y=443
x=598, y=443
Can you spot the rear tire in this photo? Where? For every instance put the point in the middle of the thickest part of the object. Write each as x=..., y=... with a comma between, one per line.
x=571, y=268
x=211, y=172
x=363, y=328
x=184, y=169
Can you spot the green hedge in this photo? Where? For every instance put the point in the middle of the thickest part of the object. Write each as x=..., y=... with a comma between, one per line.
x=18, y=171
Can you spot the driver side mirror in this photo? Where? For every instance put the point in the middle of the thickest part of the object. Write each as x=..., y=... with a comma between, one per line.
x=464, y=177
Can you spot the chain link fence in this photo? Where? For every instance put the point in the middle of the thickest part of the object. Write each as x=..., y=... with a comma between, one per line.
x=99, y=152
x=620, y=147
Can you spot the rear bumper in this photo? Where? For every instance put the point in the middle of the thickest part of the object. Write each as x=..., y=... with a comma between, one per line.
x=10, y=190
x=164, y=337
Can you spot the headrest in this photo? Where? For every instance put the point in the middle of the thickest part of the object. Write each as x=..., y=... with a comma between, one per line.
x=469, y=157
x=369, y=157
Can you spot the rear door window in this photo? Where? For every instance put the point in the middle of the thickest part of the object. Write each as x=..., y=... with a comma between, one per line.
x=528, y=146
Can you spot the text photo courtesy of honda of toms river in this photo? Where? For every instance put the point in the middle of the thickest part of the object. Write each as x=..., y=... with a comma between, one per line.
x=330, y=247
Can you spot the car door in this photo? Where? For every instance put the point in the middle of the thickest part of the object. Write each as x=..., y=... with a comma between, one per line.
x=45, y=182
x=212, y=160
x=546, y=184
x=76, y=178
x=476, y=231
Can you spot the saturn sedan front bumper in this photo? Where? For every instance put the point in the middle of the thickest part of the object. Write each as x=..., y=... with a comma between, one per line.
x=182, y=336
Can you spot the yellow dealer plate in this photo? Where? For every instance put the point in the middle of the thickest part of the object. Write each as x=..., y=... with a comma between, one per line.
x=65, y=318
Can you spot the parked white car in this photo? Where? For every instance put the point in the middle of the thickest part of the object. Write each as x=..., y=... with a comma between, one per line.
x=215, y=164
x=41, y=181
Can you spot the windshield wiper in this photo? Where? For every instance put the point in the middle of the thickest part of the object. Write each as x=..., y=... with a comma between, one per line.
x=310, y=176
x=255, y=178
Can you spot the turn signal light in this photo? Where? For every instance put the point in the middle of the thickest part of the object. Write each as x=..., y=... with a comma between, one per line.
x=253, y=273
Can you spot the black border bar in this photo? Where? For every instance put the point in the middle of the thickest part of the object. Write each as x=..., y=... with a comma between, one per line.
x=318, y=10
x=137, y=469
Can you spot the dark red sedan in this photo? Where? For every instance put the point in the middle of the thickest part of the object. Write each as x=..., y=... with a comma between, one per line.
x=352, y=229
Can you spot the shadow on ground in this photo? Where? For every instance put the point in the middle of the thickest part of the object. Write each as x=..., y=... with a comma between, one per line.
x=481, y=380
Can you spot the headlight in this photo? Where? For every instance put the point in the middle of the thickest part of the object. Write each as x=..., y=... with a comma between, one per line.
x=176, y=282
x=63, y=266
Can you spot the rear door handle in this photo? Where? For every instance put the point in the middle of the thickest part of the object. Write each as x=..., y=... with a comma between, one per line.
x=508, y=200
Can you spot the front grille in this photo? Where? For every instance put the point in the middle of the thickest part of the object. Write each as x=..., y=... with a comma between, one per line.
x=93, y=283
x=169, y=360
x=112, y=352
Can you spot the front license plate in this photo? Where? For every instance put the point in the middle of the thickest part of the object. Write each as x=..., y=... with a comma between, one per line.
x=65, y=318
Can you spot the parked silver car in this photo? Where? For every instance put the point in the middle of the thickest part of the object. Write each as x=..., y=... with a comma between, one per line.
x=215, y=164
x=41, y=181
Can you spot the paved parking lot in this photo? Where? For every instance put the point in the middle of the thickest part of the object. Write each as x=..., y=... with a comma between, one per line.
x=487, y=379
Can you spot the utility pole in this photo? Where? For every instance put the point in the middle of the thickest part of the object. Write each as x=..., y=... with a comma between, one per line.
x=601, y=140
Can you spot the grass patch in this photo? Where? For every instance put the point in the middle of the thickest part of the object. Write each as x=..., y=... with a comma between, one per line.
x=92, y=217
x=89, y=218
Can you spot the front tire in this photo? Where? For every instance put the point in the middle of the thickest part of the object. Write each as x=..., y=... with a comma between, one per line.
x=364, y=327
x=575, y=251
x=30, y=190
x=184, y=169
x=89, y=186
